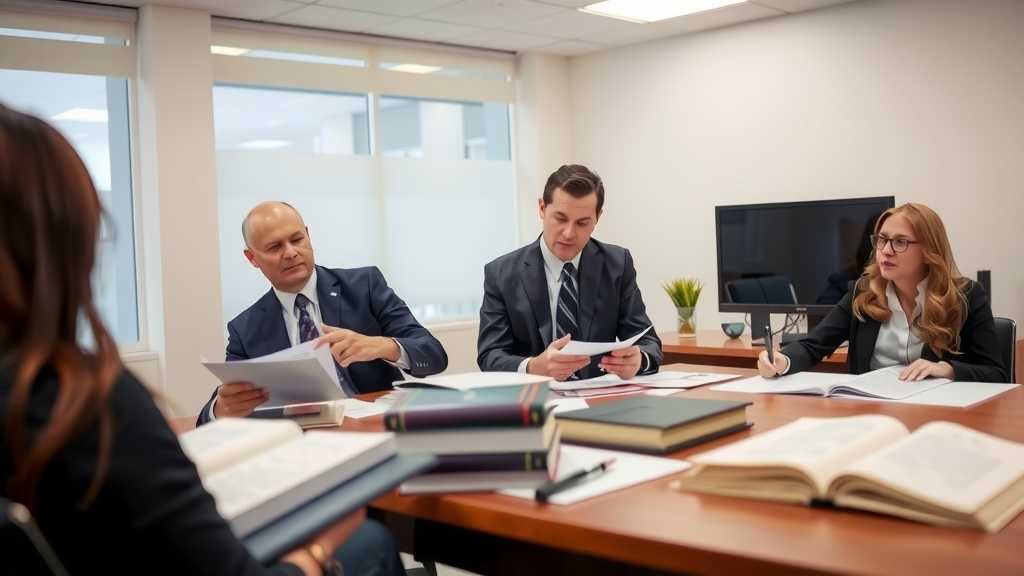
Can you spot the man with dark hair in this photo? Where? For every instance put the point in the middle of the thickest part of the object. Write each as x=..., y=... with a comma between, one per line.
x=565, y=285
x=372, y=334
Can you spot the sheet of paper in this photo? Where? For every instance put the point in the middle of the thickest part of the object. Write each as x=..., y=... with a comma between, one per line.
x=673, y=379
x=628, y=470
x=566, y=404
x=789, y=383
x=661, y=392
x=600, y=392
x=355, y=408
x=955, y=394
x=666, y=379
x=295, y=375
x=472, y=380
x=578, y=348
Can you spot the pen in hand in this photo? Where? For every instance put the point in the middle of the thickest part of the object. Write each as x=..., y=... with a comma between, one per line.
x=552, y=487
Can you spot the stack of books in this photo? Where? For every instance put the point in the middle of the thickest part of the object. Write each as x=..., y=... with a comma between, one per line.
x=485, y=439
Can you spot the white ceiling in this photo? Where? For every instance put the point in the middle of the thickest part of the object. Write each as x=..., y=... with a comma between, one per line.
x=551, y=26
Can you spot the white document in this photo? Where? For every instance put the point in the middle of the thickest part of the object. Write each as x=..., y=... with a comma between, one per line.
x=355, y=408
x=628, y=470
x=957, y=394
x=559, y=405
x=296, y=375
x=883, y=384
x=661, y=392
x=472, y=380
x=666, y=379
x=576, y=348
x=673, y=379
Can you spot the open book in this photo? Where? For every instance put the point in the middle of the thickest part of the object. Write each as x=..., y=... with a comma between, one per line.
x=259, y=470
x=943, y=473
x=882, y=383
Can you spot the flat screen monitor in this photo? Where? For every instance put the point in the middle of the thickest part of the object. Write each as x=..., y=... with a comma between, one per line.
x=792, y=257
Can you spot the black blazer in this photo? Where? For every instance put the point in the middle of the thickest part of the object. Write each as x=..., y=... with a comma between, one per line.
x=152, y=515
x=515, y=317
x=979, y=360
x=358, y=299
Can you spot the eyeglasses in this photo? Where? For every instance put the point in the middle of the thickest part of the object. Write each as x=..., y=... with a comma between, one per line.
x=898, y=245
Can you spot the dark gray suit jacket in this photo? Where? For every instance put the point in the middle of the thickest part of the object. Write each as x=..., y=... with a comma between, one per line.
x=979, y=359
x=515, y=317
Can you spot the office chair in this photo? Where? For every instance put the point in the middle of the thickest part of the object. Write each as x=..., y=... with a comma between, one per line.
x=17, y=528
x=764, y=290
x=1006, y=333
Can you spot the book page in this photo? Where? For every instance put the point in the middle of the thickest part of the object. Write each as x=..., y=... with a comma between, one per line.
x=252, y=482
x=884, y=383
x=947, y=464
x=819, y=447
x=227, y=441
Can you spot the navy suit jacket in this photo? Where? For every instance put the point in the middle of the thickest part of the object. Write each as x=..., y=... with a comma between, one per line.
x=515, y=317
x=358, y=299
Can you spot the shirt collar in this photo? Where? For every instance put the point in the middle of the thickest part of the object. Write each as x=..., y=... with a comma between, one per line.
x=287, y=299
x=553, y=263
x=894, y=299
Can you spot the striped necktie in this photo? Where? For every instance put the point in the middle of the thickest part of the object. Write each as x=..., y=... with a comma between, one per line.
x=309, y=331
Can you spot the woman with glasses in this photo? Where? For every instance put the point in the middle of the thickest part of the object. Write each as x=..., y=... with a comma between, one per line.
x=910, y=307
x=82, y=444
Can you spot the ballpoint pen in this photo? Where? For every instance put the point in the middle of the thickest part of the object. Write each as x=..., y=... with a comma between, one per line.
x=552, y=487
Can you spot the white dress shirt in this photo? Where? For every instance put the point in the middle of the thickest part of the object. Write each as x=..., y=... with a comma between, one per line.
x=291, y=322
x=553, y=274
x=898, y=343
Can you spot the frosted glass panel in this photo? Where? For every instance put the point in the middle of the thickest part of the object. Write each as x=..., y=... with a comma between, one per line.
x=334, y=195
x=446, y=219
x=92, y=113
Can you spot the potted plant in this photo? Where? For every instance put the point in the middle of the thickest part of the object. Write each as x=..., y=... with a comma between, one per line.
x=684, y=293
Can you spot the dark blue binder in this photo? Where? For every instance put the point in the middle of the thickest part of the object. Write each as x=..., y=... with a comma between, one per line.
x=300, y=525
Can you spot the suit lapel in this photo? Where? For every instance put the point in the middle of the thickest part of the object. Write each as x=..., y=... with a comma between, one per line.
x=591, y=269
x=272, y=335
x=328, y=291
x=867, y=335
x=536, y=286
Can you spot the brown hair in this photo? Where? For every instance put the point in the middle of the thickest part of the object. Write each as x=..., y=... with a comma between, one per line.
x=945, y=302
x=48, y=234
x=578, y=181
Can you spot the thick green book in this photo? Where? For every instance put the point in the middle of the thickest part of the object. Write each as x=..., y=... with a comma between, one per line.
x=653, y=424
x=428, y=409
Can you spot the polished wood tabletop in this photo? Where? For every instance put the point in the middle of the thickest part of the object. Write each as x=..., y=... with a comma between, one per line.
x=653, y=526
x=714, y=347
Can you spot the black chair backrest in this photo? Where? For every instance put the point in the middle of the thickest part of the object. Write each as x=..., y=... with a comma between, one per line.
x=25, y=550
x=1006, y=333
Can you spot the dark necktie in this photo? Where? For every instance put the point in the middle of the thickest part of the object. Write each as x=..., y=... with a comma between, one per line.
x=568, y=304
x=309, y=331
x=567, y=308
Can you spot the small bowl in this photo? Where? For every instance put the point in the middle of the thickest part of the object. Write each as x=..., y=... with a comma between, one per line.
x=733, y=329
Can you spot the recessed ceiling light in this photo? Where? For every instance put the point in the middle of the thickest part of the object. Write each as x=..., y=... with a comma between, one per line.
x=643, y=11
x=414, y=68
x=264, y=144
x=82, y=115
x=228, y=50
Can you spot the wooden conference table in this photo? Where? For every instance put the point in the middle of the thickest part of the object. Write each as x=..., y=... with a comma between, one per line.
x=714, y=347
x=651, y=528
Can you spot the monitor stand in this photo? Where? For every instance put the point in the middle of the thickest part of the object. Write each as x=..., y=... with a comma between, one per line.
x=758, y=322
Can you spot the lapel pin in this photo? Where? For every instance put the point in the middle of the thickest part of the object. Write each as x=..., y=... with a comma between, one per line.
x=334, y=293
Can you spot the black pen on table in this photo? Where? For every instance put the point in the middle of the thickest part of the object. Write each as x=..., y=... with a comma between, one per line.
x=769, y=343
x=552, y=487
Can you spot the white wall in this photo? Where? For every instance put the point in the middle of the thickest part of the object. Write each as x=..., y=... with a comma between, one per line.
x=917, y=99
